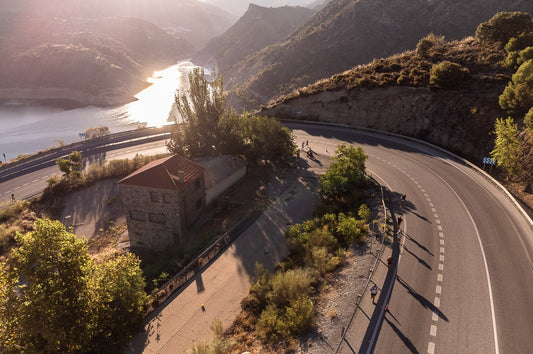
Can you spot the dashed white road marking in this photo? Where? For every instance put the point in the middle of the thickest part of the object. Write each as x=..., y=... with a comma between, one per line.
x=438, y=289
x=439, y=277
x=442, y=242
x=433, y=331
x=441, y=235
x=439, y=227
x=436, y=303
x=441, y=266
x=431, y=348
x=434, y=317
x=442, y=250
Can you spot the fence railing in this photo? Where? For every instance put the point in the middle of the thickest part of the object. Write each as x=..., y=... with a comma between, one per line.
x=379, y=252
x=202, y=261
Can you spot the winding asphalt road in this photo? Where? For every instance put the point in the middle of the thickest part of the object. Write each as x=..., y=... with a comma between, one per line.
x=465, y=274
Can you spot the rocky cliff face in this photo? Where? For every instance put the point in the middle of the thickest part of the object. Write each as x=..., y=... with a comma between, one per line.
x=459, y=120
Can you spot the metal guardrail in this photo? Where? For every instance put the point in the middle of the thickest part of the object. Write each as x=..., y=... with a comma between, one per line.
x=379, y=252
x=87, y=148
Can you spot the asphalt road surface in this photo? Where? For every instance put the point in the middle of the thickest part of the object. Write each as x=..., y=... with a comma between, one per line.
x=29, y=185
x=464, y=281
x=465, y=275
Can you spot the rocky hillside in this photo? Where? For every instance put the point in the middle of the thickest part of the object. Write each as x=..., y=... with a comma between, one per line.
x=257, y=28
x=346, y=33
x=395, y=94
x=79, y=61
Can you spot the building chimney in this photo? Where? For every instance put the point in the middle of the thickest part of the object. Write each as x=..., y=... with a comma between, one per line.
x=181, y=176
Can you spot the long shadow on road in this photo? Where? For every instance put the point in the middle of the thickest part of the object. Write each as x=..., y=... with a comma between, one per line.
x=416, y=242
x=420, y=260
x=423, y=301
x=402, y=336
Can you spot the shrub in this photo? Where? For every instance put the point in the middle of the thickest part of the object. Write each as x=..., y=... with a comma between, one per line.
x=503, y=26
x=522, y=41
x=528, y=120
x=288, y=286
x=425, y=44
x=517, y=97
x=447, y=74
x=402, y=80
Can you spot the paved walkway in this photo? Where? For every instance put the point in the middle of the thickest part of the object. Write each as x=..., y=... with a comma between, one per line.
x=181, y=322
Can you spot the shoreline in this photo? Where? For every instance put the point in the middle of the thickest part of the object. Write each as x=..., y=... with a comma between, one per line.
x=63, y=97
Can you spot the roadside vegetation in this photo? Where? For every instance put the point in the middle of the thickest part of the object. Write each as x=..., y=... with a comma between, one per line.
x=280, y=306
x=205, y=127
x=513, y=142
x=497, y=61
x=55, y=298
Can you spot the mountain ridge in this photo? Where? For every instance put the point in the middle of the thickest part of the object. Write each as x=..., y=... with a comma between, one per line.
x=346, y=33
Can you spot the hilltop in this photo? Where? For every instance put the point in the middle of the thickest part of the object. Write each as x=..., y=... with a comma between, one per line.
x=256, y=29
x=197, y=21
x=77, y=61
x=346, y=33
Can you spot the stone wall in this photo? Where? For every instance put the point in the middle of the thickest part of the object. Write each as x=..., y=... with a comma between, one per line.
x=459, y=120
x=154, y=216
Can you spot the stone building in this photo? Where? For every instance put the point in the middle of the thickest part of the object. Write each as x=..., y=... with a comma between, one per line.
x=161, y=200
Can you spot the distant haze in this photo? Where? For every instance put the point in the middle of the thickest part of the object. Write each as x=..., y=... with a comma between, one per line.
x=238, y=7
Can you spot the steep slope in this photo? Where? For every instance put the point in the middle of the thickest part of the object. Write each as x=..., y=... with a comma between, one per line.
x=395, y=94
x=350, y=32
x=256, y=29
x=78, y=61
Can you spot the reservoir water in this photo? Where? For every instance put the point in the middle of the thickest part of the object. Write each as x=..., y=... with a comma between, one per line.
x=25, y=130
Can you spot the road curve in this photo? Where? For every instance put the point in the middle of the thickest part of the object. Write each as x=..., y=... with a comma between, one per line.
x=464, y=281
x=465, y=274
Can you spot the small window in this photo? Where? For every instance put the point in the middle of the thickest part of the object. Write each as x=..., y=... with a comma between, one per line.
x=199, y=203
x=197, y=183
x=154, y=197
x=167, y=198
x=137, y=215
x=157, y=218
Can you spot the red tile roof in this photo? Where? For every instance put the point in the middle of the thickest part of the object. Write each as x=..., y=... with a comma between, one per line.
x=164, y=173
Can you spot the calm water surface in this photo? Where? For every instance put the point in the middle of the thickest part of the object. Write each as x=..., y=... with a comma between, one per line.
x=25, y=130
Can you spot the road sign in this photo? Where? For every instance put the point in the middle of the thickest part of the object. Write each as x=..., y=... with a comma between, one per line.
x=488, y=161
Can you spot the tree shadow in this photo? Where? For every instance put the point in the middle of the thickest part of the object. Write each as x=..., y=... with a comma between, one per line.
x=420, y=260
x=423, y=301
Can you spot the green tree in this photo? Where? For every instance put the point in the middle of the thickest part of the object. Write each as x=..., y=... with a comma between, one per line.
x=59, y=301
x=506, y=145
x=96, y=132
x=53, y=309
x=118, y=289
x=503, y=26
x=258, y=138
x=71, y=165
x=196, y=130
x=447, y=74
x=517, y=97
x=528, y=120
x=347, y=170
